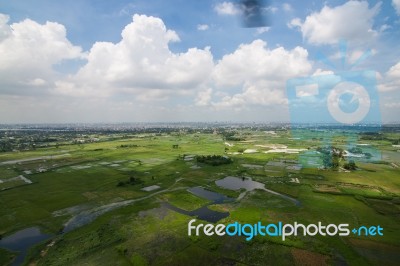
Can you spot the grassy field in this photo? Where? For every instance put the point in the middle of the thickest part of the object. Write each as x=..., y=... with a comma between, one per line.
x=86, y=176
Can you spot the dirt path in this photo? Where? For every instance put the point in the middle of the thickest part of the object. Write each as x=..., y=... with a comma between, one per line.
x=48, y=157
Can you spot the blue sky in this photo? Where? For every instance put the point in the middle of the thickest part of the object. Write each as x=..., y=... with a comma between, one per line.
x=127, y=61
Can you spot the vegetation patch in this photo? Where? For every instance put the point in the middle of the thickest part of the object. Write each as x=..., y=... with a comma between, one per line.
x=327, y=188
x=146, y=232
x=385, y=207
x=304, y=257
x=131, y=181
x=6, y=257
x=184, y=200
x=213, y=160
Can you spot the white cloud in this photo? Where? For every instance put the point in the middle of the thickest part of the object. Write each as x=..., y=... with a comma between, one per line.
x=261, y=30
x=203, y=97
x=271, y=9
x=294, y=23
x=320, y=72
x=307, y=90
x=392, y=105
x=127, y=10
x=260, y=73
x=357, y=55
x=226, y=8
x=354, y=56
x=141, y=65
x=37, y=82
x=390, y=81
x=254, y=94
x=351, y=21
x=202, y=27
x=384, y=27
x=5, y=29
x=287, y=7
x=396, y=5
x=28, y=52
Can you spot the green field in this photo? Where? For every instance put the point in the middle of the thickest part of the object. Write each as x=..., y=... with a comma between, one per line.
x=71, y=178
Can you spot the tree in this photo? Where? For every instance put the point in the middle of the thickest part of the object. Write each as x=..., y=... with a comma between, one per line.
x=331, y=156
x=351, y=165
x=335, y=161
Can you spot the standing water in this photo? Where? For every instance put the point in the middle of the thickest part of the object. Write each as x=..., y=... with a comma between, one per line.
x=236, y=183
x=22, y=241
x=203, y=213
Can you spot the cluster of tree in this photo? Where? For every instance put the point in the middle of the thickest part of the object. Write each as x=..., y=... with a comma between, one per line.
x=234, y=138
x=131, y=181
x=378, y=136
x=213, y=160
x=372, y=136
x=330, y=162
x=332, y=156
x=395, y=141
x=128, y=146
x=230, y=135
x=351, y=165
x=6, y=146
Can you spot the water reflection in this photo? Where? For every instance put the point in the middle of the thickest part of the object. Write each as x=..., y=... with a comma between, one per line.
x=21, y=241
x=236, y=183
x=204, y=213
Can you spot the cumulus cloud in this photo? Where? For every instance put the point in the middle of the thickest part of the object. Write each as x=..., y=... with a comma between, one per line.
x=261, y=73
x=352, y=21
x=28, y=52
x=5, y=29
x=390, y=81
x=141, y=64
x=253, y=94
x=203, y=97
x=226, y=8
x=396, y=5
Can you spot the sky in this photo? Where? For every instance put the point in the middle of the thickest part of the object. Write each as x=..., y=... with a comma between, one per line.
x=92, y=61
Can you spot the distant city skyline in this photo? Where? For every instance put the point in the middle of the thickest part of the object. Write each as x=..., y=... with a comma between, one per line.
x=170, y=61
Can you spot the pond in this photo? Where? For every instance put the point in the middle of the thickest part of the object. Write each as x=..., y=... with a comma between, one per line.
x=215, y=197
x=22, y=241
x=87, y=216
x=204, y=213
x=236, y=183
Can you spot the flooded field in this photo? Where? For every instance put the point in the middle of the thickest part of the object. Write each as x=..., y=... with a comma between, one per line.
x=22, y=241
x=139, y=195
